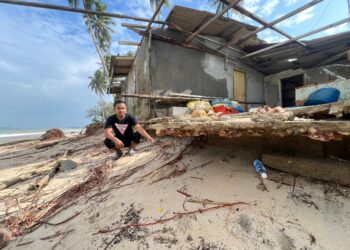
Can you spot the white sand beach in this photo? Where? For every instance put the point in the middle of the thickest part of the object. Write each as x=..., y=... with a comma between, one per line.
x=177, y=194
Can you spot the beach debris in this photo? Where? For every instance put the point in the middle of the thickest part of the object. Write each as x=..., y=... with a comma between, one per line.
x=45, y=145
x=5, y=237
x=93, y=128
x=130, y=215
x=17, y=179
x=203, y=245
x=260, y=169
x=176, y=215
x=64, y=235
x=300, y=196
x=52, y=134
x=60, y=165
x=32, y=215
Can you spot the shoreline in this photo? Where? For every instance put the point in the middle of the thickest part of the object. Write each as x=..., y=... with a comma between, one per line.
x=14, y=138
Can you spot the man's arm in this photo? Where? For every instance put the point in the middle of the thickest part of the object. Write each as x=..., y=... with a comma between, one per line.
x=143, y=132
x=109, y=134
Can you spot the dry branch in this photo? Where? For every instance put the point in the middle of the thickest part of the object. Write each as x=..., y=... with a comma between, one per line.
x=177, y=214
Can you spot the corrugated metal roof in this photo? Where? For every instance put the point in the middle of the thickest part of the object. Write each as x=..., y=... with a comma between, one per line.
x=190, y=19
x=318, y=51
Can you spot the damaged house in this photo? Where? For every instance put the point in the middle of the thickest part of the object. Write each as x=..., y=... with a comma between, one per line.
x=224, y=58
x=197, y=55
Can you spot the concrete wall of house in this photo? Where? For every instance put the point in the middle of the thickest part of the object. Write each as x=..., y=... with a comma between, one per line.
x=138, y=83
x=183, y=70
x=318, y=75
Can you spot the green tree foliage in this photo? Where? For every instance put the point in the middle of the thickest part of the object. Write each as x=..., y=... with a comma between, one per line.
x=99, y=111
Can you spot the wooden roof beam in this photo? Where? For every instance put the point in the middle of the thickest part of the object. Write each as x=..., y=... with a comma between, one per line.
x=122, y=42
x=298, y=37
x=259, y=20
x=77, y=10
x=280, y=19
x=154, y=15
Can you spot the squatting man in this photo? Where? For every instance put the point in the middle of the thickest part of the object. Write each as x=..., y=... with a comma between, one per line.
x=119, y=130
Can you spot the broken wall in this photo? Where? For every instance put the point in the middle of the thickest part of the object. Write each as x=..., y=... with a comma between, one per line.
x=313, y=76
x=184, y=70
x=138, y=83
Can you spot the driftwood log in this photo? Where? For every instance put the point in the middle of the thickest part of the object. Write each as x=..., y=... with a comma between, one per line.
x=317, y=168
x=45, y=145
x=13, y=181
x=55, y=167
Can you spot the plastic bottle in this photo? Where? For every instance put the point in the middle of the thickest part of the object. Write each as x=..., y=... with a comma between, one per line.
x=260, y=169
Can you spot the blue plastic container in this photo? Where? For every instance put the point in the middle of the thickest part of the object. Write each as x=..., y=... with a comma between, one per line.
x=323, y=96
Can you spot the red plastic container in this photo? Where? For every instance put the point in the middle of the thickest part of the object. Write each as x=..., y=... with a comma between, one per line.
x=225, y=110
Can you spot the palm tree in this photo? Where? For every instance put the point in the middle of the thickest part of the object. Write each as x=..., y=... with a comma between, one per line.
x=155, y=3
x=99, y=27
x=98, y=84
x=220, y=5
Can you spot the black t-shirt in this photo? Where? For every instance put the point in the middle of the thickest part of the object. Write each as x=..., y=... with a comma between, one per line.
x=122, y=129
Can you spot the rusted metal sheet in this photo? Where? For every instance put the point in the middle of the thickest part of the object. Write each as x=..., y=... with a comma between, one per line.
x=302, y=93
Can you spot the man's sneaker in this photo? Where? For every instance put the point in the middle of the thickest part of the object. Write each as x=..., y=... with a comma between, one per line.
x=117, y=155
x=131, y=152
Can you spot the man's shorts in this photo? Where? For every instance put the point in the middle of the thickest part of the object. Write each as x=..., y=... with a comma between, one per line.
x=135, y=137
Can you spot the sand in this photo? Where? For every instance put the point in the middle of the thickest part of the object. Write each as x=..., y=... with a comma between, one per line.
x=143, y=189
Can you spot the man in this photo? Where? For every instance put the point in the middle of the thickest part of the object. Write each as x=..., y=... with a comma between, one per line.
x=119, y=131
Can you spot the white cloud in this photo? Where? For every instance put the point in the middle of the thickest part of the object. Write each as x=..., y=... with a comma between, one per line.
x=299, y=18
x=251, y=5
x=291, y=2
x=269, y=7
x=337, y=29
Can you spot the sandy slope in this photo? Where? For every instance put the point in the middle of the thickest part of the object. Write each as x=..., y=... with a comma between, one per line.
x=137, y=190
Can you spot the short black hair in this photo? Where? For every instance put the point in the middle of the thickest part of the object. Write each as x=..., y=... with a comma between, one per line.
x=118, y=102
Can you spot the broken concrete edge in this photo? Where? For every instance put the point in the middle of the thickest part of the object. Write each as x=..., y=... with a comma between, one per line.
x=317, y=130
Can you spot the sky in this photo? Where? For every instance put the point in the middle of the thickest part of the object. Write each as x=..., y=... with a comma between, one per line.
x=47, y=56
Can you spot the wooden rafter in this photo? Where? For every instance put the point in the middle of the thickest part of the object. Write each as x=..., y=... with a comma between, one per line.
x=345, y=20
x=77, y=10
x=280, y=19
x=259, y=20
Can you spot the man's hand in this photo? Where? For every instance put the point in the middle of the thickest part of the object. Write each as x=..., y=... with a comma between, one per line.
x=119, y=143
x=150, y=139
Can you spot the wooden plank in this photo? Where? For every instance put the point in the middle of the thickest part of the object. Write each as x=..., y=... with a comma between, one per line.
x=280, y=19
x=337, y=108
x=324, y=169
x=345, y=20
x=77, y=10
x=174, y=99
x=122, y=42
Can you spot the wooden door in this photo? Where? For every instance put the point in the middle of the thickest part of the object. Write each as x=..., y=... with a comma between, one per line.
x=239, y=87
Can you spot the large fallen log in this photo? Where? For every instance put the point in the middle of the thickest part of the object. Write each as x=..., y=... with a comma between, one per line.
x=317, y=168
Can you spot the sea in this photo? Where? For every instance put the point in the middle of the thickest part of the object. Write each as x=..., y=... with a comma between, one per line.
x=13, y=134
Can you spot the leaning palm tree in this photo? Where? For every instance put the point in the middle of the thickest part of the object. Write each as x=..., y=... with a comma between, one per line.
x=98, y=84
x=99, y=27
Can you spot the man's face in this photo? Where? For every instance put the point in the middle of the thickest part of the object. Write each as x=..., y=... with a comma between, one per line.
x=120, y=109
